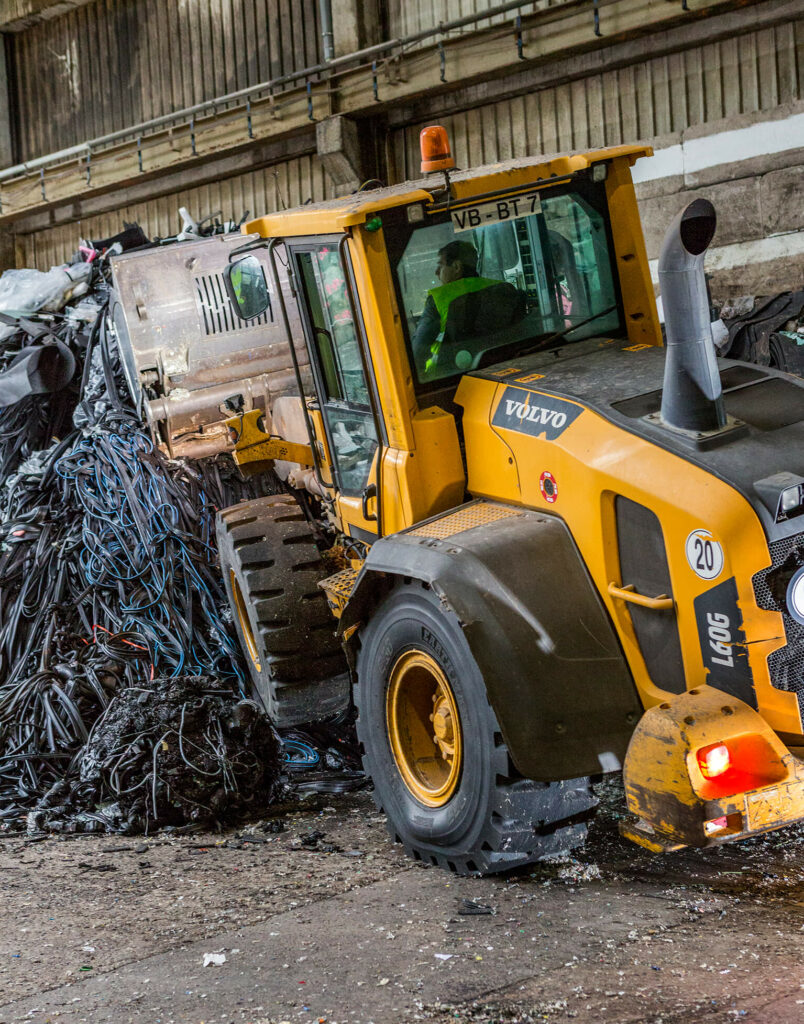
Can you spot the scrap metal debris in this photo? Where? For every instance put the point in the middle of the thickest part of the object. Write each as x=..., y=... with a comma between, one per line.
x=184, y=749
x=123, y=700
x=767, y=331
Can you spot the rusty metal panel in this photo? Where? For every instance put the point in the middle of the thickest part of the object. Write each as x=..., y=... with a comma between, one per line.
x=272, y=188
x=115, y=63
x=656, y=97
x=185, y=351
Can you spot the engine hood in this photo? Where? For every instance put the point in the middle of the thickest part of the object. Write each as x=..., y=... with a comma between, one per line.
x=623, y=383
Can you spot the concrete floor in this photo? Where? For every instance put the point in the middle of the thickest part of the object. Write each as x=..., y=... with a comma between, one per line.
x=111, y=929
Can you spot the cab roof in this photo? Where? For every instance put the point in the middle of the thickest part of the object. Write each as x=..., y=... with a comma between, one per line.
x=336, y=215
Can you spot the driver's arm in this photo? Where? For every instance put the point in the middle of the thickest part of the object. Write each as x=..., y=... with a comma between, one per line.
x=426, y=333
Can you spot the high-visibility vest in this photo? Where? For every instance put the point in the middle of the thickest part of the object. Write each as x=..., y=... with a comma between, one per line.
x=445, y=293
x=443, y=297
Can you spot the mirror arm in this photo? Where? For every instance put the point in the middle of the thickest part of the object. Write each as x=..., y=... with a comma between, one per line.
x=252, y=243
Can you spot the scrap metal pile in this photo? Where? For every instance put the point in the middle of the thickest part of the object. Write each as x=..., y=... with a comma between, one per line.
x=767, y=331
x=122, y=692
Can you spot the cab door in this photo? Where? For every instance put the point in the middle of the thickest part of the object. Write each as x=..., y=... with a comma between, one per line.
x=334, y=332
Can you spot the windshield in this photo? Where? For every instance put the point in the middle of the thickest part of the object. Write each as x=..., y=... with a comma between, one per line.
x=506, y=276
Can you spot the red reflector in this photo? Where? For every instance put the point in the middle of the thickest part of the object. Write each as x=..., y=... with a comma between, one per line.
x=716, y=825
x=714, y=760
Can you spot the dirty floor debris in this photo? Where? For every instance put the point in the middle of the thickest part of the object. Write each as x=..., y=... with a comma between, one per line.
x=345, y=929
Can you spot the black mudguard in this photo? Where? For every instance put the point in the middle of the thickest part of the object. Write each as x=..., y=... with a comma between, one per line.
x=555, y=674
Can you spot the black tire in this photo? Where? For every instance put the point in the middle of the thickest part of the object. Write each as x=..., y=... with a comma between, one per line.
x=495, y=819
x=786, y=355
x=271, y=568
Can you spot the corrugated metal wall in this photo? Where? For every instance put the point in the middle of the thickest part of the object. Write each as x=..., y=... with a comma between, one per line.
x=114, y=63
x=754, y=72
x=406, y=17
x=258, y=192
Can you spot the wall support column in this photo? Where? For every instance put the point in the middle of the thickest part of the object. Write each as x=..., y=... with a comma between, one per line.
x=339, y=149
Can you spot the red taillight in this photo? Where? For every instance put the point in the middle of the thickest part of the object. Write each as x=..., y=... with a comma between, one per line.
x=714, y=760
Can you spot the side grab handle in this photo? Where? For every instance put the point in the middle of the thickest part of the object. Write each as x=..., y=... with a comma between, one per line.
x=368, y=493
x=627, y=593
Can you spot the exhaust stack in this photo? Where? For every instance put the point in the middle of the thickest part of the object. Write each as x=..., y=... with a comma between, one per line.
x=691, y=395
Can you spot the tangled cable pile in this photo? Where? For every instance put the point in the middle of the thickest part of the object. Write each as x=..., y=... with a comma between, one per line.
x=177, y=751
x=108, y=592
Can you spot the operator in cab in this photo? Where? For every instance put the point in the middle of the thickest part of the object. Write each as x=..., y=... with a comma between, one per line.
x=450, y=321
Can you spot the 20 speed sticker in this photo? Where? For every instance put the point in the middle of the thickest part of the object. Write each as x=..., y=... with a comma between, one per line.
x=548, y=487
x=704, y=554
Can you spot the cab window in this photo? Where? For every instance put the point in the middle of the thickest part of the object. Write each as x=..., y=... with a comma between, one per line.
x=487, y=282
x=333, y=335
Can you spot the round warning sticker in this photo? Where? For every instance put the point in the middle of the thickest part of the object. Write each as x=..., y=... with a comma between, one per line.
x=704, y=554
x=548, y=487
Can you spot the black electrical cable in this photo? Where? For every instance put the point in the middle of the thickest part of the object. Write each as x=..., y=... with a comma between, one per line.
x=121, y=681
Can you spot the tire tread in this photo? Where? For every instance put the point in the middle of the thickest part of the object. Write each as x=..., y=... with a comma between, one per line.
x=524, y=821
x=270, y=547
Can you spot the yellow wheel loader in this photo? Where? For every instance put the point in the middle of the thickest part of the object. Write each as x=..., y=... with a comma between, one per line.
x=531, y=542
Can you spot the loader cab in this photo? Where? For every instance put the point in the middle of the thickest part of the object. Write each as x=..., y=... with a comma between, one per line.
x=559, y=257
x=545, y=276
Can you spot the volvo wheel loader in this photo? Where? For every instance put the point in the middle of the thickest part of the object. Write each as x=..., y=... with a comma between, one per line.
x=530, y=541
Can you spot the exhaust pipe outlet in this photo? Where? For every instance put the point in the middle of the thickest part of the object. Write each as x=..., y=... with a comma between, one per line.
x=691, y=396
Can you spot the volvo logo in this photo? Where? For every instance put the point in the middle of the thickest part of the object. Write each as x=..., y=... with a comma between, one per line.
x=530, y=412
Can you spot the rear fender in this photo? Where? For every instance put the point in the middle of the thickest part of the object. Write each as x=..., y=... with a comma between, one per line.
x=554, y=671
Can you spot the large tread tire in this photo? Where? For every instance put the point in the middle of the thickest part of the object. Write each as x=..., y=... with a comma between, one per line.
x=271, y=569
x=496, y=820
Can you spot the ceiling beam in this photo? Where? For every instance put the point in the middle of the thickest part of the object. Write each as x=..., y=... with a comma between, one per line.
x=215, y=169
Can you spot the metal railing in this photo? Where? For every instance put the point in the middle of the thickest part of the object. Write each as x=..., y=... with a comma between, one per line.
x=370, y=54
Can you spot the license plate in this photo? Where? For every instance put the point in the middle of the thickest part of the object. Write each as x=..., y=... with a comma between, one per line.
x=495, y=212
x=767, y=807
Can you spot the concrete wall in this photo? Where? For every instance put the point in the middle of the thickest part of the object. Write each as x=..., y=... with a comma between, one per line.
x=751, y=167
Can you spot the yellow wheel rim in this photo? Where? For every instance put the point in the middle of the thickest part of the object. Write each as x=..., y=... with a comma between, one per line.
x=424, y=728
x=245, y=625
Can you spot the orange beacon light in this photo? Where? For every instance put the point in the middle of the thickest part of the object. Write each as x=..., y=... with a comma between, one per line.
x=434, y=145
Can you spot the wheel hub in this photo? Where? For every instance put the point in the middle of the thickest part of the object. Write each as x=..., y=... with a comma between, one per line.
x=424, y=728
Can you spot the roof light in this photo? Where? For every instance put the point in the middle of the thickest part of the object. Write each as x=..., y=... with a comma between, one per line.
x=714, y=760
x=795, y=596
x=791, y=498
x=434, y=145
